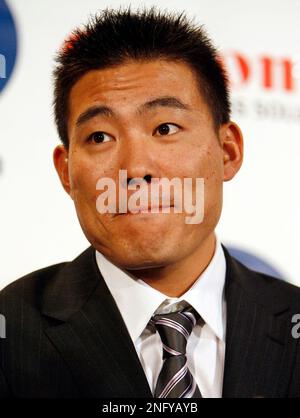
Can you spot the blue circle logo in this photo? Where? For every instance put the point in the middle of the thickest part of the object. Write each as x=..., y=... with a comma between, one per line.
x=8, y=44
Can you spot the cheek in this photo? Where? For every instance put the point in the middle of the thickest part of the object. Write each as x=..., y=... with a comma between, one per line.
x=213, y=174
x=213, y=169
x=83, y=179
x=204, y=161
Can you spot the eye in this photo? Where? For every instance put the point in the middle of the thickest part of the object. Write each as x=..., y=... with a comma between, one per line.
x=99, y=137
x=167, y=129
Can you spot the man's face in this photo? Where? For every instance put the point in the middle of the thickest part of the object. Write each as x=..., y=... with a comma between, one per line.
x=155, y=124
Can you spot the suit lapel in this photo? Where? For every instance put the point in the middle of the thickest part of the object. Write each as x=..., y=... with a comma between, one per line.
x=256, y=337
x=90, y=334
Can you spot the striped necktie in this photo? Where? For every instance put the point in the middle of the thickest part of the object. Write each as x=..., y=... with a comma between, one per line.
x=175, y=380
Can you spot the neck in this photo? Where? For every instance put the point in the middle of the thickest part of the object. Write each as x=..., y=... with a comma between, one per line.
x=175, y=279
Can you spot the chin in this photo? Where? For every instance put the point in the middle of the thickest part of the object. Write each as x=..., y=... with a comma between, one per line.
x=137, y=259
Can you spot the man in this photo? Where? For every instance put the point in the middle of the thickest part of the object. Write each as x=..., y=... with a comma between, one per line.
x=156, y=306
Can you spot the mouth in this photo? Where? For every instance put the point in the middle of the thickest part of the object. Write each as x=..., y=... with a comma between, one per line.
x=148, y=210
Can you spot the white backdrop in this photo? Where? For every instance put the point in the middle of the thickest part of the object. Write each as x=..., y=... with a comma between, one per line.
x=38, y=225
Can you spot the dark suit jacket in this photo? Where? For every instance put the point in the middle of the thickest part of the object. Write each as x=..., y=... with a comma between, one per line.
x=66, y=338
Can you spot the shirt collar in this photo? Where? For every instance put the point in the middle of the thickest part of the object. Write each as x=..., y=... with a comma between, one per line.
x=137, y=301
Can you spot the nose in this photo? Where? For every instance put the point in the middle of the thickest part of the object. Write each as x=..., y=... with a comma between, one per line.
x=138, y=157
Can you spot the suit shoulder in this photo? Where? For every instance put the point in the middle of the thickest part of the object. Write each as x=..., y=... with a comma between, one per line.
x=279, y=285
x=47, y=284
x=33, y=283
x=266, y=288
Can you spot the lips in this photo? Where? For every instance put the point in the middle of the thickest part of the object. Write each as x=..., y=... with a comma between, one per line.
x=147, y=209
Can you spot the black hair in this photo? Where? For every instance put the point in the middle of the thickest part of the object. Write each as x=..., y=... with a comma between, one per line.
x=112, y=37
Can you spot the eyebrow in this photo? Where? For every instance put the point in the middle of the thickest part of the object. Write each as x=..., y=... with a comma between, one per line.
x=167, y=101
x=101, y=110
x=92, y=112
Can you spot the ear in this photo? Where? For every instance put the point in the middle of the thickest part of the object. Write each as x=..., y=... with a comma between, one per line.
x=231, y=140
x=61, y=162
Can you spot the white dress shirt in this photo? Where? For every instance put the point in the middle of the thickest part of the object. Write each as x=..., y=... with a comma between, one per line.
x=137, y=302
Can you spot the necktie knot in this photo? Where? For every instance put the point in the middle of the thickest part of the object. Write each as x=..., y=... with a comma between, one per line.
x=174, y=329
